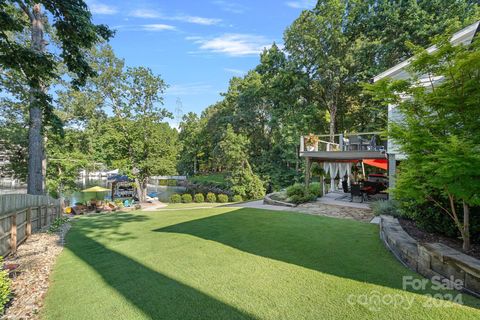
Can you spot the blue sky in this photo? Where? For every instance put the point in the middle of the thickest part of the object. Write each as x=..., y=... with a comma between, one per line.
x=196, y=46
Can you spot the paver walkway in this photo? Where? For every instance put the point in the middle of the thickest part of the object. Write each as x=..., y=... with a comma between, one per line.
x=315, y=208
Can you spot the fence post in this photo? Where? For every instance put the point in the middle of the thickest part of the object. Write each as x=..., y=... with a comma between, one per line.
x=46, y=216
x=28, y=230
x=13, y=233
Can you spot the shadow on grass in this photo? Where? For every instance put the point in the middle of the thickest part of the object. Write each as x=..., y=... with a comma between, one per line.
x=157, y=296
x=343, y=248
x=107, y=226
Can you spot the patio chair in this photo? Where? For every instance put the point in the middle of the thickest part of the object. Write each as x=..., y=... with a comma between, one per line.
x=345, y=186
x=356, y=191
x=355, y=143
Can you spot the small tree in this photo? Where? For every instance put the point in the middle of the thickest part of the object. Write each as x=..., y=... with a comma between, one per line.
x=440, y=131
x=232, y=153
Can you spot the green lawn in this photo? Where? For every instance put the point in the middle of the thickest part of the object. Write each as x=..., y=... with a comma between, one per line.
x=230, y=263
x=218, y=178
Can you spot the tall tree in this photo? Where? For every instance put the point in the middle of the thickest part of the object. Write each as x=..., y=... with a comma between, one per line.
x=149, y=146
x=75, y=32
x=322, y=43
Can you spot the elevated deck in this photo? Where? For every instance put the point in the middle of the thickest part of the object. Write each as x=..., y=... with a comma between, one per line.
x=342, y=155
x=348, y=147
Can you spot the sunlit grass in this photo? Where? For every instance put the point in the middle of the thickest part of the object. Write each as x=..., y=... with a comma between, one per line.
x=230, y=263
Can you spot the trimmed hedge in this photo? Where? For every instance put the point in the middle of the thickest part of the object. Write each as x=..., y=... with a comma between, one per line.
x=175, y=198
x=187, y=198
x=199, y=198
x=237, y=198
x=222, y=198
x=211, y=197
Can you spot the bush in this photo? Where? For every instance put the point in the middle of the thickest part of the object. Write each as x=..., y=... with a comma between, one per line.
x=199, y=198
x=299, y=194
x=385, y=207
x=187, y=198
x=237, y=198
x=211, y=197
x=56, y=224
x=316, y=189
x=296, y=190
x=245, y=183
x=5, y=287
x=175, y=198
x=222, y=198
x=171, y=183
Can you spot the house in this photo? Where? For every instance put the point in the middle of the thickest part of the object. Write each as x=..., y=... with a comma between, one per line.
x=337, y=157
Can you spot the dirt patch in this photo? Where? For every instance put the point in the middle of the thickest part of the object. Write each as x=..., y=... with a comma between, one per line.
x=426, y=237
x=35, y=259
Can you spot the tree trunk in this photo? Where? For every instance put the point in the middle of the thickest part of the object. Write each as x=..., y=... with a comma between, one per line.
x=466, y=227
x=36, y=153
x=333, y=116
x=141, y=189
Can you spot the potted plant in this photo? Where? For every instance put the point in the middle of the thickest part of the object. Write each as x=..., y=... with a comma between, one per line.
x=311, y=142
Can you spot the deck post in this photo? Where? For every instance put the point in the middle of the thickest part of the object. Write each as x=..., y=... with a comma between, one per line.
x=392, y=168
x=307, y=171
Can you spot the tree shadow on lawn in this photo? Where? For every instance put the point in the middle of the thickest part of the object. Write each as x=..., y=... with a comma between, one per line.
x=339, y=247
x=157, y=296
x=107, y=226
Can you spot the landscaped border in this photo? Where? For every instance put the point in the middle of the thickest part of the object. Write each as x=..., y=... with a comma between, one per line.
x=270, y=201
x=430, y=259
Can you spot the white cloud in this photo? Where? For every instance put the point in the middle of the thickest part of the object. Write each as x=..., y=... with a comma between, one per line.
x=235, y=71
x=301, y=4
x=197, y=20
x=152, y=14
x=234, y=44
x=189, y=89
x=230, y=6
x=157, y=27
x=101, y=8
x=145, y=13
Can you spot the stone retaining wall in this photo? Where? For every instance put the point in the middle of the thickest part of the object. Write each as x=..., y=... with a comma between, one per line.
x=430, y=259
x=270, y=201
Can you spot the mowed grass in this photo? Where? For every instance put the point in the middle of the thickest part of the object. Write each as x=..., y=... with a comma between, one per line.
x=230, y=263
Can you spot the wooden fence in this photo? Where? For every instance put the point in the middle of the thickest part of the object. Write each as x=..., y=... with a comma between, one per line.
x=22, y=214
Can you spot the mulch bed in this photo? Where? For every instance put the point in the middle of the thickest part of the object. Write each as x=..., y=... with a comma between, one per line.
x=33, y=262
x=426, y=237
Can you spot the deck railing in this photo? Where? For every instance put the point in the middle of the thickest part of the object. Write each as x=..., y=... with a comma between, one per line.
x=366, y=141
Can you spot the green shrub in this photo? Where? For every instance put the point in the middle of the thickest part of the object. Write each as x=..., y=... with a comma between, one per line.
x=299, y=194
x=222, y=198
x=316, y=188
x=199, y=198
x=187, y=198
x=237, y=198
x=245, y=183
x=211, y=197
x=5, y=287
x=175, y=198
x=56, y=224
x=296, y=190
x=385, y=207
x=171, y=183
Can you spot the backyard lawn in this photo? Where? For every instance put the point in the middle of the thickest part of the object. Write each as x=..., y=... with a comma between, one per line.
x=231, y=263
